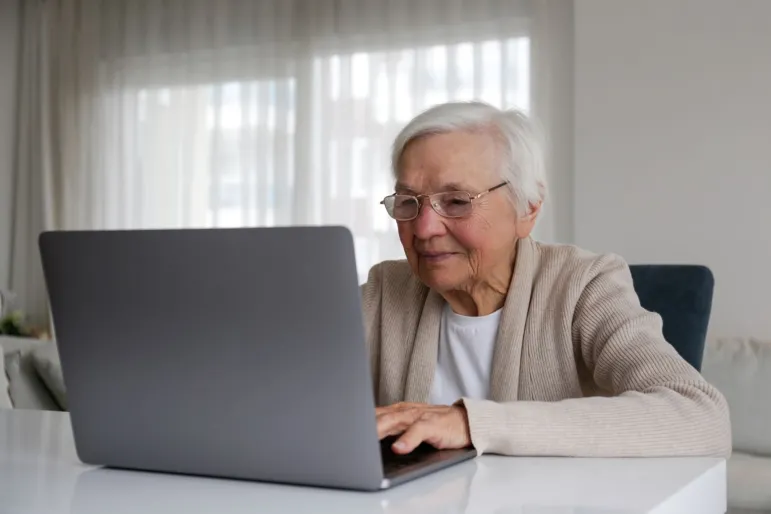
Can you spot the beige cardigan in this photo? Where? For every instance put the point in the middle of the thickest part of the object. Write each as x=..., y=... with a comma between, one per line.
x=579, y=368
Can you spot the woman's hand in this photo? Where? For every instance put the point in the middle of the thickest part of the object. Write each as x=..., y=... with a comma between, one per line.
x=443, y=427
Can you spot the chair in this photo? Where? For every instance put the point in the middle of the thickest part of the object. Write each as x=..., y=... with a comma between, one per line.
x=682, y=296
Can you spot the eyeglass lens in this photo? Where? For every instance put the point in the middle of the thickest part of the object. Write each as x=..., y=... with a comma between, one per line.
x=453, y=204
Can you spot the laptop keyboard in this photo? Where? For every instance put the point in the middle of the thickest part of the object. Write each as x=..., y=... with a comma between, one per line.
x=394, y=462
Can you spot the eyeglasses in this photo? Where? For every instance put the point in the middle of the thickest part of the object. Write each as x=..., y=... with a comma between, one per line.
x=451, y=204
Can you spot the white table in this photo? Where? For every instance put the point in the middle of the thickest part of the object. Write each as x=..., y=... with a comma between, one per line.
x=40, y=473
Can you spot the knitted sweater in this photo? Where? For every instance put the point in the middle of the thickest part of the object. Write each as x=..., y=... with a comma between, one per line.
x=579, y=367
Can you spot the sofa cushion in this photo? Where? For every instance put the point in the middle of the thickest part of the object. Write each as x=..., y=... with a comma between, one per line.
x=46, y=361
x=741, y=370
x=5, y=399
x=26, y=389
x=24, y=345
x=749, y=477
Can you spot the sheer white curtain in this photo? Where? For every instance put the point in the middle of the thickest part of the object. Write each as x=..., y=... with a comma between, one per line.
x=184, y=113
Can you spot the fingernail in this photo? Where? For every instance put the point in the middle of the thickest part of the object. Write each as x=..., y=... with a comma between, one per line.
x=399, y=445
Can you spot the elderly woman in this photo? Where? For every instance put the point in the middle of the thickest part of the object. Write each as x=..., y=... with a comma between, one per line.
x=486, y=337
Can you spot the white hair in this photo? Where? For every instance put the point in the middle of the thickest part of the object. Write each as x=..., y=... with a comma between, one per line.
x=521, y=142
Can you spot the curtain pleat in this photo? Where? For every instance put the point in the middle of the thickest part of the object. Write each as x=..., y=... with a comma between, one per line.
x=192, y=113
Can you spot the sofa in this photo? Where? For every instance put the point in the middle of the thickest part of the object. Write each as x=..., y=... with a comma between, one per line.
x=739, y=368
x=32, y=377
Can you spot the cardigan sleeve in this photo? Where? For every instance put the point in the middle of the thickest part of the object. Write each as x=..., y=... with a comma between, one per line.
x=660, y=405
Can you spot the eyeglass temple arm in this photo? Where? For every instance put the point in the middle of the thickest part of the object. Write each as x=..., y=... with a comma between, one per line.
x=489, y=190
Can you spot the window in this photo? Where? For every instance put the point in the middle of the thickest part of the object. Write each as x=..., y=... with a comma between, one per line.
x=243, y=153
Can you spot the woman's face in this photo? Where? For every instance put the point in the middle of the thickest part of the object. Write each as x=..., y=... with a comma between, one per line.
x=457, y=253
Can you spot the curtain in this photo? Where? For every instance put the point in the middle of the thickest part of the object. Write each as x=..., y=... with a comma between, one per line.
x=32, y=210
x=193, y=113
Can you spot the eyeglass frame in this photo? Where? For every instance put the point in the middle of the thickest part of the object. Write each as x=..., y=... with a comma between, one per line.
x=419, y=199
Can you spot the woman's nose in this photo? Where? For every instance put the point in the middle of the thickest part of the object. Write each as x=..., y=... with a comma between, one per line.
x=428, y=224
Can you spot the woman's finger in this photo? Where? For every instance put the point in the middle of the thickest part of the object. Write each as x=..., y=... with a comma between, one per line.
x=422, y=430
x=392, y=423
x=395, y=407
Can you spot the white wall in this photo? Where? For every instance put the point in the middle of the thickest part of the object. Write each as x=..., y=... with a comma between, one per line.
x=9, y=22
x=673, y=142
x=552, y=96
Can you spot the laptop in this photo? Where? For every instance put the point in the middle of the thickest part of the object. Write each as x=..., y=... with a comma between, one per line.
x=233, y=353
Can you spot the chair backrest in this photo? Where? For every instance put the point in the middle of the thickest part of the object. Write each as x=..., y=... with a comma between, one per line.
x=682, y=296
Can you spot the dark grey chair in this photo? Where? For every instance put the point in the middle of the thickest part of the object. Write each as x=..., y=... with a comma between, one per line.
x=682, y=296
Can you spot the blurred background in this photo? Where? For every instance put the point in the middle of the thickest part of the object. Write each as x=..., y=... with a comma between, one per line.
x=195, y=113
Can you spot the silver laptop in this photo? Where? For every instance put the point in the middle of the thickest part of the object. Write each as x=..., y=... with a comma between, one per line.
x=236, y=353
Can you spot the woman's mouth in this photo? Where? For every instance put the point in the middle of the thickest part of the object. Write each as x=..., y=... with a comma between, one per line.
x=435, y=257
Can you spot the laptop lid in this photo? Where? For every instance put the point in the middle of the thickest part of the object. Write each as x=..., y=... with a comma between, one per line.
x=230, y=352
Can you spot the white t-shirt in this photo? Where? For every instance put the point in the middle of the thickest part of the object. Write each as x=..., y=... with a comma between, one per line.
x=465, y=357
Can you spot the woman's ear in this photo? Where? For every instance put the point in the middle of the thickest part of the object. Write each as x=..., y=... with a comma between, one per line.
x=526, y=223
x=535, y=210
